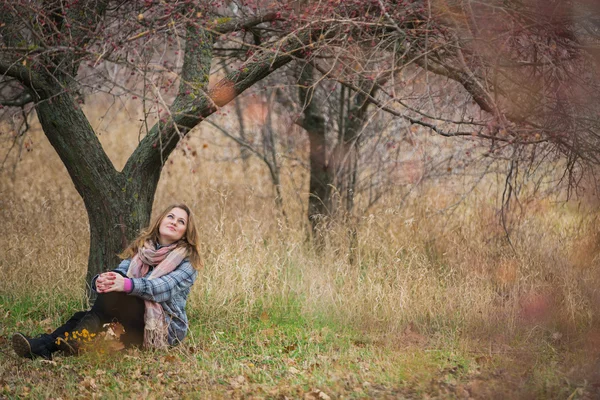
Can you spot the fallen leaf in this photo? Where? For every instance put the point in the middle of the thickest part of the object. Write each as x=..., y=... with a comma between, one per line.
x=316, y=395
x=170, y=358
x=89, y=383
x=237, y=382
x=481, y=360
x=268, y=332
x=264, y=317
x=290, y=348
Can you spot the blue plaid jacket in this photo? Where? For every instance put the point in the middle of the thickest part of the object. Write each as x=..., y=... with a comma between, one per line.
x=170, y=291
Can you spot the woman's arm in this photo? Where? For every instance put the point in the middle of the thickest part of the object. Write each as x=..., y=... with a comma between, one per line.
x=164, y=288
x=121, y=270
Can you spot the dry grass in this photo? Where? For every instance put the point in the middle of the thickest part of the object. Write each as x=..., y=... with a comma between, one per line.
x=416, y=276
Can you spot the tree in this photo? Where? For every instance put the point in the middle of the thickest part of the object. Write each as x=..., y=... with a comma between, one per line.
x=511, y=59
x=50, y=50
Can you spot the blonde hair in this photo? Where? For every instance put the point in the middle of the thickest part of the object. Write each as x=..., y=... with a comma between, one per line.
x=190, y=238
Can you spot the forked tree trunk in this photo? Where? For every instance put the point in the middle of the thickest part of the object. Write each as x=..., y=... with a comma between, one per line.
x=118, y=204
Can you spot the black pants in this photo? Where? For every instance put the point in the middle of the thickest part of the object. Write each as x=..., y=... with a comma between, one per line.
x=110, y=307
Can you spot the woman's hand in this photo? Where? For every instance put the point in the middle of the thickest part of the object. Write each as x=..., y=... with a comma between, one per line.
x=110, y=282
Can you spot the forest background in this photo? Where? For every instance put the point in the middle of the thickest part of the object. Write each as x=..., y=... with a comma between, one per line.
x=370, y=228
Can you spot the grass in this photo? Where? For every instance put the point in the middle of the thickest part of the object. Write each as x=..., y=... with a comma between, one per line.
x=416, y=315
x=422, y=304
x=275, y=353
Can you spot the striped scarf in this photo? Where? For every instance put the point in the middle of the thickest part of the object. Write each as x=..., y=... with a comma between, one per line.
x=164, y=260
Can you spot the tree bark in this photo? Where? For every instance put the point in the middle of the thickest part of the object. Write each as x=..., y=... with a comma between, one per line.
x=319, y=196
x=118, y=205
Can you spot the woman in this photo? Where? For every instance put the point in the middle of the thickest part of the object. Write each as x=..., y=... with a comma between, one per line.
x=147, y=293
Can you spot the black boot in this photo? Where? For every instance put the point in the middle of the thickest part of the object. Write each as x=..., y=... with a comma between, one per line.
x=41, y=346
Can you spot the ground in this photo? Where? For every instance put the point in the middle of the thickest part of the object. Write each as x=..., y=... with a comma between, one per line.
x=283, y=355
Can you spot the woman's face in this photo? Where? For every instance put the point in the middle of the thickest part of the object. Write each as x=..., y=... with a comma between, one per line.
x=172, y=227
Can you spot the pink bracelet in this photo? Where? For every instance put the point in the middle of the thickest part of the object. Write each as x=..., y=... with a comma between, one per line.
x=127, y=285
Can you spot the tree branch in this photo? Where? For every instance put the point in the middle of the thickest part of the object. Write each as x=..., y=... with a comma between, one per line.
x=468, y=81
x=185, y=115
x=15, y=68
x=196, y=66
x=8, y=30
x=244, y=24
x=190, y=99
x=83, y=18
x=20, y=100
x=432, y=127
x=239, y=141
x=70, y=133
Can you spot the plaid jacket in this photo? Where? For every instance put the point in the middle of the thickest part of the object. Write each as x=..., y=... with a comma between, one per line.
x=170, y=290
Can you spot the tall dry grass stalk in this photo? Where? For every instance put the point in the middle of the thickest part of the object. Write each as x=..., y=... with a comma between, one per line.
x=451, y=272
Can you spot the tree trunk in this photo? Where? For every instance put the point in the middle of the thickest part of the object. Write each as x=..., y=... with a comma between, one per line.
x=345, y=156
x=345, y=160
x=118, y=204
x=114, y=222
x=319, y=197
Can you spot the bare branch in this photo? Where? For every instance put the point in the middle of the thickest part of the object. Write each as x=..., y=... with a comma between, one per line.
x=428, y=125
x=15, y=68
x=239, y=141
x=185, y=115
x=20, y=100
x=244, y=24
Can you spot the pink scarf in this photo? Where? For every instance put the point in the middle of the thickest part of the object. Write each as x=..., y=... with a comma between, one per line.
x=164, y=260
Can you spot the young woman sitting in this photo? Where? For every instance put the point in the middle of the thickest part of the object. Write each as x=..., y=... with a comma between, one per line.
x=146, y=293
